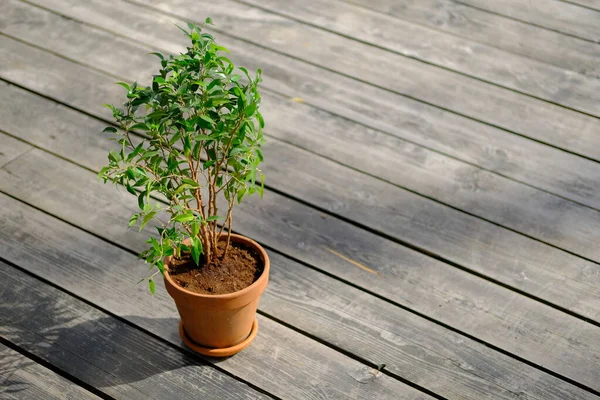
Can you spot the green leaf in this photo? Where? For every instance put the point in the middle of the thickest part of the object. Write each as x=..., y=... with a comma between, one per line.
x=202, y=137
x=213, y=218
x=113, y=156
x=133, y=220
x=135, y=152
x=195, y=228
x=159, y=79
x=126, y=86
x=130, y=189
x=250, y=110
x=208, y=20
x=111, y=129
x=196, y=249
x=155, y=244
x=190, y=182
x=149, y=154
x=261, y=121
x=141, y=200
x=207, y=119
x=161, y=266
x=138, y=126
x=183, y=30
x=152, y=286
x=187, y=146
x=240, y=194
x=181, y=188
x=157, y=55
x=245, y=71
x=147, y=219
x=184, y=217
x=262, y=185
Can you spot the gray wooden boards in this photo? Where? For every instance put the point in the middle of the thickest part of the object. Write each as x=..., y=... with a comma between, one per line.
x=466, y=56
x=359, y=250
x=488, y=104
x=280, y=360
x=495, y=30
x=11, y=148
x=435, y=86
x=21, y=378
x=321, y=306
x=314, y=249
x=556, y=15
x=512, y=259
x=592, y=4
x=442, y=132
x=426, y=286
x=454, y=183
x=415, y=349
x=96, y=348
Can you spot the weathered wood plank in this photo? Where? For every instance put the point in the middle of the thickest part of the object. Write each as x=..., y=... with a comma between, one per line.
x=293, y=365
x=552, y=14
x=593, y=4
x=520, y=262
x=438, y=359
x=500, y=67
x=22, y=378
x=492, y=251
x=450, y=91
x=451, y=182
x=494, y=30
x=96, y=348
x=508, y=155
x=520, y=325
x=11, y=148
x=420, y=351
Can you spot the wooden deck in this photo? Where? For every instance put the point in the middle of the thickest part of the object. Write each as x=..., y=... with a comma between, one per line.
x=432, y=212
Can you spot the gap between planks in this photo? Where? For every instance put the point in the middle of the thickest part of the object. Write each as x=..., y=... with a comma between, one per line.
x=500, y=350
x=525, y=360
x=291, y=14
x=429, y=253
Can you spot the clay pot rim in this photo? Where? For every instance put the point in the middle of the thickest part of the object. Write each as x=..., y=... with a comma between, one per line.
x=264, y=275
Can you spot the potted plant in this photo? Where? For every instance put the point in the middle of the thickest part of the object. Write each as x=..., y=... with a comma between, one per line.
x=192, y=139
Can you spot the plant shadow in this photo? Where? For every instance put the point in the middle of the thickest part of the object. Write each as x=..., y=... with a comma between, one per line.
x=100, y=351
x=11, y=363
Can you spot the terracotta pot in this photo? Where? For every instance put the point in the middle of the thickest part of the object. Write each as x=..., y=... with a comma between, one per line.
x=223, y=324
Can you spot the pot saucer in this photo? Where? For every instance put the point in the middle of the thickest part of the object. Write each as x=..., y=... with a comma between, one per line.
x=223, y=352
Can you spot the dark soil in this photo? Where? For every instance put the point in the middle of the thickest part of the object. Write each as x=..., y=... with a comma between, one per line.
x=240, y=269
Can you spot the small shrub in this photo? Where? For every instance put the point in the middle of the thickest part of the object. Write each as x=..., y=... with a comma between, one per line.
x=192, y=137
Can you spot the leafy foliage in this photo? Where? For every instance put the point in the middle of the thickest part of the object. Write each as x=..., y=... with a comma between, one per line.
x=191, y=137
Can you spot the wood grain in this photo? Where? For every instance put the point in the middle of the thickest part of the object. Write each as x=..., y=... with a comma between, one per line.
x=484, y=146
x=458, y=185
x=98, y=349
x=11, y=148
x=444, y=89
x=23, y=379
x=337, y=250
x=593, y=4
x=439, y=87
x=537, y=269
x=520, y=325
x=495, y=30
x=353, y=320
x=280, y=360
x=552, y=14
x=484, y=62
